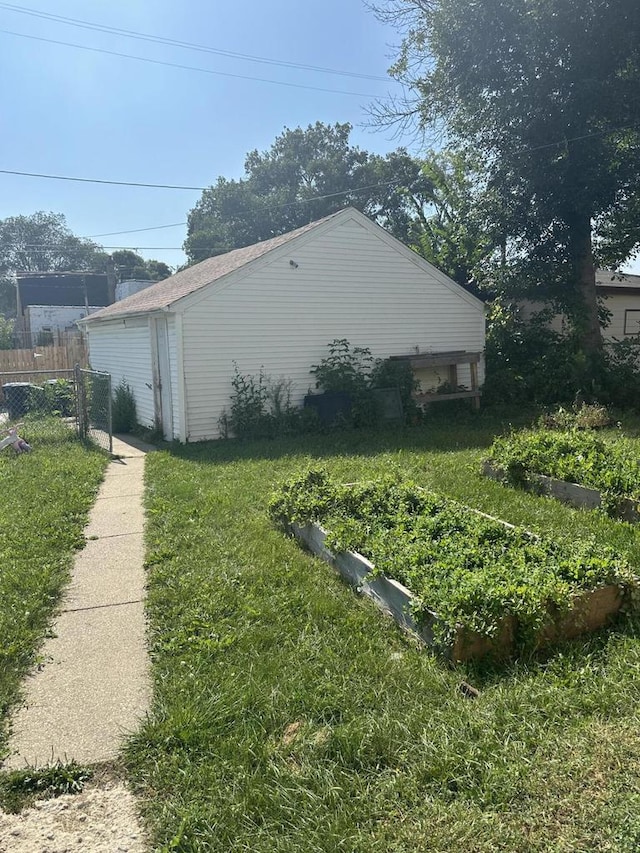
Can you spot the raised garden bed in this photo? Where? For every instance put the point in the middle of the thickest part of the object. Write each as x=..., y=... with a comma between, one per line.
x=574, y=467
x=464, y=582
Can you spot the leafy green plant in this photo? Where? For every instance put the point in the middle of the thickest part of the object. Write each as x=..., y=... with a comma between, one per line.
x=261, y=408
x=349, y=370
x=397, y=373
x=6, y=332
x=471, y=569
x=611, y=466
x=124, y=416
x=58, y=398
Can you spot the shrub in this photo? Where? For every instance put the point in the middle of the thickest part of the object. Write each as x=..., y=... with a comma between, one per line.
x=261, y=408
x=585, y=416
x=123, y=409
x=6, y=333
x=58, y=398
x=397, y=373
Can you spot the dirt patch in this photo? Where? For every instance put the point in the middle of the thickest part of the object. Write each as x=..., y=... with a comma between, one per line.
x=101, y=819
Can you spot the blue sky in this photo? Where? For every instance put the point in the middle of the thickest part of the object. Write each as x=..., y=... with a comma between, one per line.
x=69, y=111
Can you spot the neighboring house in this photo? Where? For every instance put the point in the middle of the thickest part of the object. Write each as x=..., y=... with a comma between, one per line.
x=620, y=295
x=42, y=324
x=276, y=305
x=51, y=302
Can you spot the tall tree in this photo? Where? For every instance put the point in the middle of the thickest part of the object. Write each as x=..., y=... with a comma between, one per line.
x=129, y=264
x=305, y=175
x=41, y=242
x=548, y=93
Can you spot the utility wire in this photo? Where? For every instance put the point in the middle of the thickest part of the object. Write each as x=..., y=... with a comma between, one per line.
x=184, y=67
x=148, y=37
x=98, y=180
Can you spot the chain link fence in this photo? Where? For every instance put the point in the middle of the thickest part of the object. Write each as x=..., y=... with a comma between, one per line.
x=45, y=401
x=94, y=407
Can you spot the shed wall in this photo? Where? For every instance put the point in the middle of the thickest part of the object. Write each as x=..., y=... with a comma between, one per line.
x=123, y=349
x=347, y=283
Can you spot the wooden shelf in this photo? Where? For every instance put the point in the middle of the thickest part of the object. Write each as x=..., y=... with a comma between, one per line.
x=435, y=398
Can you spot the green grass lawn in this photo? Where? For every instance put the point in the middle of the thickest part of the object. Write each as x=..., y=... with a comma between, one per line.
x=289, y=715
x=44, y=500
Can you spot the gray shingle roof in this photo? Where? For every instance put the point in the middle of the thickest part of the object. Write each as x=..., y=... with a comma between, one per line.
x=165, y=293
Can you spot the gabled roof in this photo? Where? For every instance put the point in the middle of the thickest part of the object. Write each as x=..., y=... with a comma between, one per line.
x=617, y=280
x=170, y=290
x=166, y=293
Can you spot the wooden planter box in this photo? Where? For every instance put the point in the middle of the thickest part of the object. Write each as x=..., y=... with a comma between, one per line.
x=395, y=599
x=570, y=493
x=592, y=610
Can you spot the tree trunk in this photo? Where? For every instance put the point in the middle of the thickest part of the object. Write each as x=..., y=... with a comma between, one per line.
x=584, y=277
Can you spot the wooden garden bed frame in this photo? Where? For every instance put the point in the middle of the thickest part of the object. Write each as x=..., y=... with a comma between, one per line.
x=591, y=610
x=573, y=494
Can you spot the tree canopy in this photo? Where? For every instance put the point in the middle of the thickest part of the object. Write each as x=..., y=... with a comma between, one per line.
x=43, y=242
x=546, y=93
x=129, y=264
x=305, y=175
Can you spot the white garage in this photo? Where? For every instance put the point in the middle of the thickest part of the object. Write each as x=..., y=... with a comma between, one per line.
x=276, y=305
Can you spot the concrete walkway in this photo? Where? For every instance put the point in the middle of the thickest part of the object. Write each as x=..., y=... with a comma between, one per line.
x=94, y=686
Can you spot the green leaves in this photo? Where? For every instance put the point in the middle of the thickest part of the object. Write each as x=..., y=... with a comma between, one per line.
x=577, y=457
x=472, y=570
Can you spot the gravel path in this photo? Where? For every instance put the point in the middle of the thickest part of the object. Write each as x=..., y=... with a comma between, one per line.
x=101, y=819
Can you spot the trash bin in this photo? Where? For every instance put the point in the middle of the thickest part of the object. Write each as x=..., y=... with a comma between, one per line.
x=19, y=397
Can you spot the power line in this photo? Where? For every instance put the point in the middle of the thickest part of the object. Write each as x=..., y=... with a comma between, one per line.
x=148, y=37
x=97, y=180
x=184, y=67
x=135, y=230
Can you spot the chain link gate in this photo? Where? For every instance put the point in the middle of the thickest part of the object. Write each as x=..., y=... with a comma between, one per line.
x=94, y=407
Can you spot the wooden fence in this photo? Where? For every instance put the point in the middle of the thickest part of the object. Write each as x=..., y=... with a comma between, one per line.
x=44, y=358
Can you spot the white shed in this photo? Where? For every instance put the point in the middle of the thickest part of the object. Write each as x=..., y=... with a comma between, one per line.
x=276, y=305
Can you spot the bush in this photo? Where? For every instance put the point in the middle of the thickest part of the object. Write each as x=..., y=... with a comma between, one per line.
x=528, y=362
x=585, y=416
x=261, y=408
x=124, y=417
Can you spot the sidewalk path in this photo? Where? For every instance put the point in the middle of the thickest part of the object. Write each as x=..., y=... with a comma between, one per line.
x=94, y=686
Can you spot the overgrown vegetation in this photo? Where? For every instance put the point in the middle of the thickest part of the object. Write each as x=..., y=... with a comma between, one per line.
x=585, y=416
x=471, y=570
x=529, y=362
x=262, y=408
x=609, y=465
x=124, y=417
x=288, y=715
x=46, y=496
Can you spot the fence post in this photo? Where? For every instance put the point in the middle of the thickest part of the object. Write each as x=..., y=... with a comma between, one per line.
x=110, y=413
x=81, y=402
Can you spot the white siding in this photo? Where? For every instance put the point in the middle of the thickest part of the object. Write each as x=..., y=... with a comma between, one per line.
x=618, y=304
x=123, y=349
x=348, y=283
x=173, y=368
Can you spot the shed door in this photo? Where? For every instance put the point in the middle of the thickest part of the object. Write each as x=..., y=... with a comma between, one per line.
x=164, y=407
